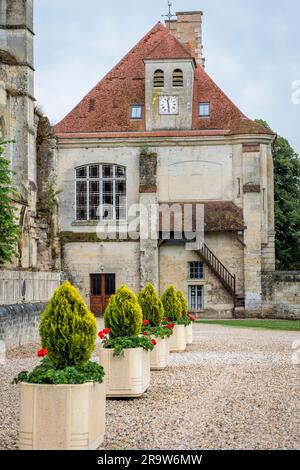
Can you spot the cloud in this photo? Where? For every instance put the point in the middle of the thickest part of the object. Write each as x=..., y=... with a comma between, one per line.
x=252, y=51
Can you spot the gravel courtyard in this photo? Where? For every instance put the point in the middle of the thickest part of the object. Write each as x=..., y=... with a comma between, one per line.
x=232, y=389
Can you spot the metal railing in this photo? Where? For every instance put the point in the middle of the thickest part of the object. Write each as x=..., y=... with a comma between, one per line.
x=227, y=279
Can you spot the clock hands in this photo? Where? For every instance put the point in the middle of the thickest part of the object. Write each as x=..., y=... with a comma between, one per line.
x=168, y=105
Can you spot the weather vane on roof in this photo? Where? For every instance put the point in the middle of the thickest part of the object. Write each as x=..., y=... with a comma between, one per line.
x=170, y=14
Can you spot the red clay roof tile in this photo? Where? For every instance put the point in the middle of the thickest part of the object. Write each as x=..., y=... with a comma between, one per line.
x=219, y=216
x=106, y=108
x=169, y=47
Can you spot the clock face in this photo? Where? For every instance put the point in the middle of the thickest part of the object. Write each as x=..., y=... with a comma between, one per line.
x=168, y=105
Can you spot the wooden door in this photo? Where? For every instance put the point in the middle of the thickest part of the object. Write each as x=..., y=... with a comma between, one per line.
x=102, y=287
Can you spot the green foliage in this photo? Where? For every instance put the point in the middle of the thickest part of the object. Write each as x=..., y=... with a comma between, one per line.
x=129, y=342
x=9, y=230
x=171, y=304
x=145, y=150
x=184, y=303
x=287, y=203
x=284, y=325
x=68, y=329
x=158, y=331
x=151, y=305
x=49, y=201
x=123, y=314
x=46, y=373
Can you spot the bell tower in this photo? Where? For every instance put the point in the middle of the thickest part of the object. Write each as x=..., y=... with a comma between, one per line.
x=169, y=74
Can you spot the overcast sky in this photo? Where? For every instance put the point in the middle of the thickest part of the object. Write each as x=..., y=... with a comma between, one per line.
x=252, y=51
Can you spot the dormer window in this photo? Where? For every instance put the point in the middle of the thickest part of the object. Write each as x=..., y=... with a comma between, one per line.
x=178, y=78
x=136, y=111
x=204, y=109
x=159, y=79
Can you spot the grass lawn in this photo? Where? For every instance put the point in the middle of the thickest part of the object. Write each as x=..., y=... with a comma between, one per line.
x=287, y=325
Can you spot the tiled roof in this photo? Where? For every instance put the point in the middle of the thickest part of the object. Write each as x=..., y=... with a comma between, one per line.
x=219, y=216
x=106, y=108
x=169, y=47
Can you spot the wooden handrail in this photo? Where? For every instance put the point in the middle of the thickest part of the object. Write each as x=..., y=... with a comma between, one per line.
x=227, y=279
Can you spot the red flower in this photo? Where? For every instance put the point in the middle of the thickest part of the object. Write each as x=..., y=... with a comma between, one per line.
x=145, y=333
x=101, y=335
x=146, y=322
x=106, y=331
x=172, y=325
x=42, y=352
x=152, y=329
x=154, y=342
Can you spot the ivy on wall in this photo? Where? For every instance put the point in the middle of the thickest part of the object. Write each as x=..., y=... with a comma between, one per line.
x=9, y=228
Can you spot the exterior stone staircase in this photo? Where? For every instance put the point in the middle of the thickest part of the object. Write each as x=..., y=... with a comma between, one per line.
x=227, y=279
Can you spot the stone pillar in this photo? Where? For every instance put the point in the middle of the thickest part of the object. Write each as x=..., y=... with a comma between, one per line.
x=148, y=220
x=268, y=249
x=19, y=125
x=18, y=117
x=252, y=235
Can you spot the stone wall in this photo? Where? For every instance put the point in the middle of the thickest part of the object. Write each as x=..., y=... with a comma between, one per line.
x=173, y=269
x=183, y=118
x=119, y=258
x=39, y=286
x=281, y=294
x=19, y=324
x=18, y=119
x=48, y=243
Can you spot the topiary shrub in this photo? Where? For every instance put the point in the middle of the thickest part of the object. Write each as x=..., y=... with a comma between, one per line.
x=123, y=314
x=151, y=305
x=184, y=304
x=171, y=304
x=68, y=329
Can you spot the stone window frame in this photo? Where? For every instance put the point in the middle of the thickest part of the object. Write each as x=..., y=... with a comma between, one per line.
x=198, y=304
x=206, y=106
x=133, y=109
x=95, y=180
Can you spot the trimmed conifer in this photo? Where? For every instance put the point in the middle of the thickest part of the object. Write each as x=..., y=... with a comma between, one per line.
x=151, y=305
x=184, y=303
x=171, y=304
x=68, y=329
x=123, y=314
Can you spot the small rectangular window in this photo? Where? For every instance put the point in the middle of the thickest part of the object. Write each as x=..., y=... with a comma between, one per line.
x=96, y=284
x=196, y=298
x=136, y=111
x=81, y=172
x=94, y=171
x=120, y=172
x=107, y=171
x=204, y=109
x=196, y=270
x=110, y=284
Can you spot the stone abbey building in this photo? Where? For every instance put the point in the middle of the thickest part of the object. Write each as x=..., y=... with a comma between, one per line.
x=155, y=131
x=158, y=130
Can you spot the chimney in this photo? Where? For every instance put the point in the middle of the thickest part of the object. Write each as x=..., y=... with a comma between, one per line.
x=187, y=28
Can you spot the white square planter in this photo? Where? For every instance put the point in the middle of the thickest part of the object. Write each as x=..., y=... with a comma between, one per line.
x=177, y=340
x=62, y=417
x=189, y=334
x=159, y=357
x=127, y=376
